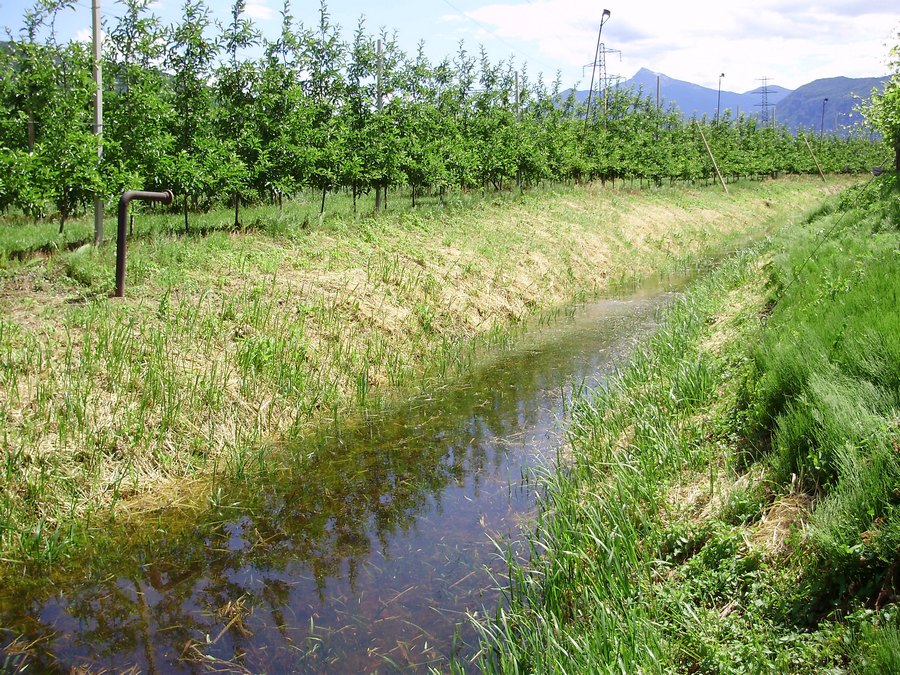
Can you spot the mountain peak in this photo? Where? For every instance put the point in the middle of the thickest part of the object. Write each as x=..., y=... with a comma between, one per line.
x=695, y=99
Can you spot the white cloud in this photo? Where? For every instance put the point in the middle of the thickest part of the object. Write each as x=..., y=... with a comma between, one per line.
x=86, y=35
x=259, y=10
x=746, y=39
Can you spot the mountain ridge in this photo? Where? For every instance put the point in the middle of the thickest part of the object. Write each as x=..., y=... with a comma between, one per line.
x=796, y=109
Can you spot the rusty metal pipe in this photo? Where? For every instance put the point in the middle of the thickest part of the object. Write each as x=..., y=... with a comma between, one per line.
x=127, y=197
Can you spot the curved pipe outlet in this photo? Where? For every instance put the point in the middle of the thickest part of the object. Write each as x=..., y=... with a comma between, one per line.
x=126, y=198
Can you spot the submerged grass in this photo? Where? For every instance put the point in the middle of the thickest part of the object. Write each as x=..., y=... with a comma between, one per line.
x=731, y=504
x=229, y=341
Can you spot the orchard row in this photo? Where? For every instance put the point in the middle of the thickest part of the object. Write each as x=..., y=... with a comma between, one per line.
x=218, y=114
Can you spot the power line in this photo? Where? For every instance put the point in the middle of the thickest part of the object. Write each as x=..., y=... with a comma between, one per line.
x=764, y=104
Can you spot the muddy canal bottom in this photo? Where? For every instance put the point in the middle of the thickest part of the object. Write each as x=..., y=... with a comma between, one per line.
x=369, y=553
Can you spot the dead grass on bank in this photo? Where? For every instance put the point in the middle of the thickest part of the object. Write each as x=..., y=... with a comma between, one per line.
x=774, y=532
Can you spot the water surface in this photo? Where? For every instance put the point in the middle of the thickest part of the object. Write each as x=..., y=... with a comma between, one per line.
x=368, y=552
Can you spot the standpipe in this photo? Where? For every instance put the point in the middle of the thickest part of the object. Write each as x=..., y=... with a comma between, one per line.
x=126, y=198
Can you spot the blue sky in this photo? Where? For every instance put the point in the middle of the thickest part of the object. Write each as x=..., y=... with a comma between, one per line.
x=791, y=43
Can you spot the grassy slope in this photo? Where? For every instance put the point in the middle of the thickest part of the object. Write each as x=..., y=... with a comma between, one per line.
x=733, y=501
x=229, y=341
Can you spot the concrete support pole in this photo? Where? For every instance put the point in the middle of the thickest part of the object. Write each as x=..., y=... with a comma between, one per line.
x=98, y=113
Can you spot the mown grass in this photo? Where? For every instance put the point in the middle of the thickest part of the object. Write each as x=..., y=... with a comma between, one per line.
x=229, y=341
x=731, y=504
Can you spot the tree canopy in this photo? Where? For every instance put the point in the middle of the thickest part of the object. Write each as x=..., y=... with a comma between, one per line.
x=883, y=112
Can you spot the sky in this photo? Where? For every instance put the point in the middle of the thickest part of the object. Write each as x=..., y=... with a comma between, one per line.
x=790, y=42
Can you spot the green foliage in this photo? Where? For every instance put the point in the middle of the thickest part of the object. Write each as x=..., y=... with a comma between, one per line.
x=828, y=384
x=883, y=110
x=138, y=109
x=198, y=153
x=47, y=144
x=188, y=108
x=879, y=650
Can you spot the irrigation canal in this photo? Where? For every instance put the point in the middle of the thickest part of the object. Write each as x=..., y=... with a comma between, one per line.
x=368, y=554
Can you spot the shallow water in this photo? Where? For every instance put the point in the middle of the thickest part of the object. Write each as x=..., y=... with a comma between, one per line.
x=367, y=552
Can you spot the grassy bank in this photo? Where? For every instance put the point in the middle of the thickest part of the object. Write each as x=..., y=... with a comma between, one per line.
x=229, y=341
x=733, y=500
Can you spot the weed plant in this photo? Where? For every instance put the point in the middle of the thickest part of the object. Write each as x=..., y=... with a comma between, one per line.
x=731, y=502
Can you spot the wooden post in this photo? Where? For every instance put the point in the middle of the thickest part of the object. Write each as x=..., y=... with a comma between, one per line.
x=518, y=118
x=656, y=133
x=378, y=100
x=657, y=94
x=715, y=166
x=378, y=104
x=809, y=147
x=517, y=94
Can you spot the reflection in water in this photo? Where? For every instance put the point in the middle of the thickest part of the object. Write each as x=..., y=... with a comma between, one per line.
x=366, y=552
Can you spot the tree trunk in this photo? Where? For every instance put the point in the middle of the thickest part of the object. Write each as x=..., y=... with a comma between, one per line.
x=237, y=210
x=322, y=209
x=185, y=214
x=377, y=198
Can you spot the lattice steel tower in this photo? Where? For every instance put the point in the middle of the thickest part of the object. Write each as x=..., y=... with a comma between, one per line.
x=599, y=68
x=764, y=103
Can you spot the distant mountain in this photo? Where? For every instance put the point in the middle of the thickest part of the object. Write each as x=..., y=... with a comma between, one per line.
x=803, y=108
x=799, y=109
x=693, y=99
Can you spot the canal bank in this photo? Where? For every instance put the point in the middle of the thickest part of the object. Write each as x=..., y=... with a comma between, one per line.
x=232, y=342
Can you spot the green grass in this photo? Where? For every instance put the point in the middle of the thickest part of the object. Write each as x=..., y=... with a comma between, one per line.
x=828, y=386
x=228, y=342
x=732, y=500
